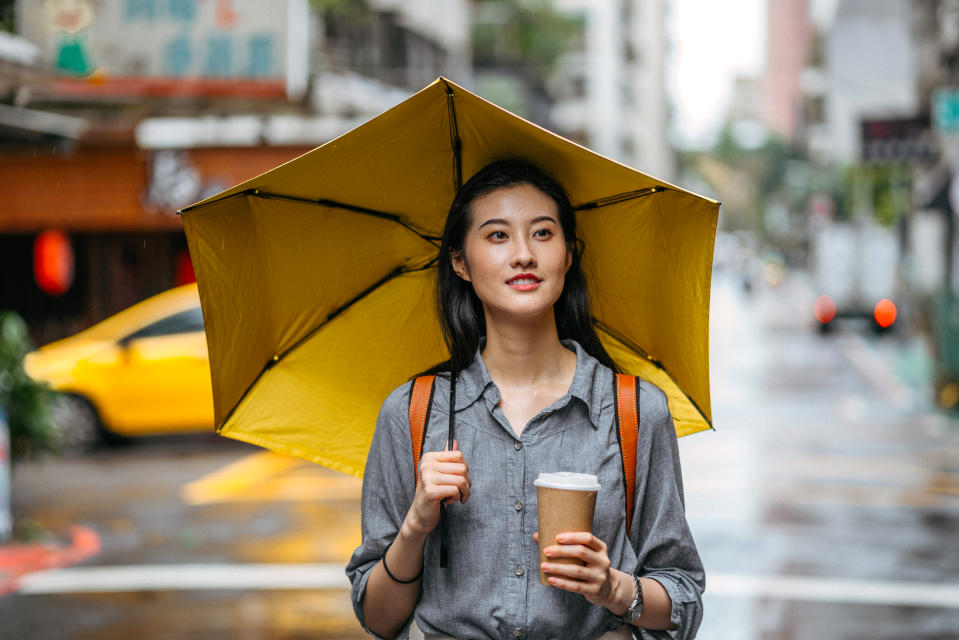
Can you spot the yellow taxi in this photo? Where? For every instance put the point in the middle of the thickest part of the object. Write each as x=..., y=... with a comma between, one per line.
x=144, y=370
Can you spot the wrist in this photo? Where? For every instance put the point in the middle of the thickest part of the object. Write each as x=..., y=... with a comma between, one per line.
x=622, y=593
x=411, y=532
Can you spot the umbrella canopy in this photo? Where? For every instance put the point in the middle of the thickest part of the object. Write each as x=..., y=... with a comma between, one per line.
x=316, y=278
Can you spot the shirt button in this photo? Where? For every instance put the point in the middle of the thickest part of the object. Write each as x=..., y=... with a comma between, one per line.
x=517, y=632
x=517, y=445
x=518, y=570
x=518, y=506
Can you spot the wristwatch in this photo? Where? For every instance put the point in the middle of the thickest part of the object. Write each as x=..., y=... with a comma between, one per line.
x=636, y=608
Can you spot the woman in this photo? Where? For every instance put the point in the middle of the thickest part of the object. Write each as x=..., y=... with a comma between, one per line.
x=533, y=393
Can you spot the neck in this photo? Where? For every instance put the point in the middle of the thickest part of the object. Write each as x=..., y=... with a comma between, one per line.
x=528, y=352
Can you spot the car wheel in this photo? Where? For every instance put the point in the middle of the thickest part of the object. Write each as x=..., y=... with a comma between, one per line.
x=76, y=423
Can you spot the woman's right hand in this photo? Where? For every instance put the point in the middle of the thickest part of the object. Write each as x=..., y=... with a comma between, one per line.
x=444, y=477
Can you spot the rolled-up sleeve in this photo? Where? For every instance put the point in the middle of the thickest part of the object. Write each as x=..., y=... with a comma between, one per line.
x=660, y=534
x=388, y=486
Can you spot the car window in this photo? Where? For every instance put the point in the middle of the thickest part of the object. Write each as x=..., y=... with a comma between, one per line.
x=183, y=322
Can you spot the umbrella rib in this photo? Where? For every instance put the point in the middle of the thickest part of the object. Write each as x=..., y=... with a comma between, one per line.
x=455, y=140
x=659, y=365
x=619, y=197
x=324, y=202
x=276, y=358
x=335, y=204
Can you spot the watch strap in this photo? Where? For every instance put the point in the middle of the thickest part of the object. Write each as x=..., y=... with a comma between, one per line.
x=635, y=609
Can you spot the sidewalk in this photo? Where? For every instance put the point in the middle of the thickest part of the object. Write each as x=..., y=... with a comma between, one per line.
x=18, y=560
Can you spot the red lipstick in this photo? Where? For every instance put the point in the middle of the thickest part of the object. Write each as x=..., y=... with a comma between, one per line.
x=524, y=282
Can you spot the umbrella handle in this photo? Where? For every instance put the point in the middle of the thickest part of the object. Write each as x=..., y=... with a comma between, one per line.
x=444, y=519
x=444, y=538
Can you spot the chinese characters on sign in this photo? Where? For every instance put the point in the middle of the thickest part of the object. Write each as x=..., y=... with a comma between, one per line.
x=160, y=38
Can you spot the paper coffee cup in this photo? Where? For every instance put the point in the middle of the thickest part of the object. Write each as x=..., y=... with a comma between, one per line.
x=565, y=502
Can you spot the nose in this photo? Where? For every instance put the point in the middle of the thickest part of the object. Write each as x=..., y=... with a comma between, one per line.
x=522, y=253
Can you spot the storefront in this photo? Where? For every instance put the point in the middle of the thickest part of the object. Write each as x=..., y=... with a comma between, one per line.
x=116, y=238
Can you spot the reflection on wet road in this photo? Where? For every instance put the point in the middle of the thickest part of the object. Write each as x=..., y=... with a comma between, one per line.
x=829, y=487
x=825, y=505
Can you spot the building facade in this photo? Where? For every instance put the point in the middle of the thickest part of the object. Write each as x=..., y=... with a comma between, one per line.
x=118, y=112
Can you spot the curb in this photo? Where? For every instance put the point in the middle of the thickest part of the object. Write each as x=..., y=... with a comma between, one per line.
x=18, y=560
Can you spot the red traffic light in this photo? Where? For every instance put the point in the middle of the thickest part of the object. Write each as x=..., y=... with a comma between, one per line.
x=885, y=313
x=824, y=309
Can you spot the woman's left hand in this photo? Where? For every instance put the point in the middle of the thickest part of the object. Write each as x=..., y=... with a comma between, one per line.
x=594, y=580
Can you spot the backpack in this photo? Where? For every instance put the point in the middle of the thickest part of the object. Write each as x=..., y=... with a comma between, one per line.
x=627, y=431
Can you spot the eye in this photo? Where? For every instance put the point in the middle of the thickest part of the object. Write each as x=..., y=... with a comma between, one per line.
x=543, y=233
x=497, y=235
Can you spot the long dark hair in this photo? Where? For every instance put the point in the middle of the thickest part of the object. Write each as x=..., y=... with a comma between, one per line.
x=459, y=309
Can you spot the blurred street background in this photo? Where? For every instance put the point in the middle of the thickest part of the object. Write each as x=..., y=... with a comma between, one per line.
x=826, y=501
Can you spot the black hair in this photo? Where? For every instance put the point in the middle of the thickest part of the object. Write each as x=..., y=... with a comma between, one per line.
x=460, y=311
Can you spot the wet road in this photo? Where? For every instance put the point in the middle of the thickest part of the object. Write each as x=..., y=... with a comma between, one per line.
x=825, y=505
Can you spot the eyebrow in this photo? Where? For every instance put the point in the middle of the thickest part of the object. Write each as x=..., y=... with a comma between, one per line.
x=504, y=222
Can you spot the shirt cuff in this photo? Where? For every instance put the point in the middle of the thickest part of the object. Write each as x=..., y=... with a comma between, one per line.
x=678, y=600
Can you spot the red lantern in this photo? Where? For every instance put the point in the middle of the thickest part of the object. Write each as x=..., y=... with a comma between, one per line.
x=184, y=268
x=53, y=262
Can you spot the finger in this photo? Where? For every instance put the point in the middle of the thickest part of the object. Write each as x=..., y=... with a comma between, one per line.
x=569, y=585
x=443, y=456
x=450, y=468
x=576, y=552
x=449, y=480
x=441, y=493
x=584, y=538
x=456, y=445
x=536, y=536
x=570, y=571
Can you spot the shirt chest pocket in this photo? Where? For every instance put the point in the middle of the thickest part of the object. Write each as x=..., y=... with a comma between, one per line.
x=583, y=449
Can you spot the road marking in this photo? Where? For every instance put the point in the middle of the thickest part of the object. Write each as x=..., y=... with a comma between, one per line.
x=192, y=577
x=269, y=476
x=185, y=577
x=825, y=589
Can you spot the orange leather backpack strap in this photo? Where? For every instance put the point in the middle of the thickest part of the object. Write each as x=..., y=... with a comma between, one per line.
x=627, y=430
x=421, y=399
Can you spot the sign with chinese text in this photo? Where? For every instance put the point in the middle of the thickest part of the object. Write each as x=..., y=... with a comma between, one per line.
x=216, y=39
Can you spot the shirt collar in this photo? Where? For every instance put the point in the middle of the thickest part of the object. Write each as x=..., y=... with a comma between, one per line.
x=587, y=385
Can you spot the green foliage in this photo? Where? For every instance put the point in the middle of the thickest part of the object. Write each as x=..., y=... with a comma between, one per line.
x=7, y=21
x=877, y=190
x=26, y=402
x=522, y=33
x=339, y=5
x=767, y=162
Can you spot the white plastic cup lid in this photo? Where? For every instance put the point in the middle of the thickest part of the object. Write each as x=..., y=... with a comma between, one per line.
x=568, y=480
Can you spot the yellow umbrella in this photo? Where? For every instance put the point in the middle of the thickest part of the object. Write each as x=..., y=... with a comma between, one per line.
x=316, y=278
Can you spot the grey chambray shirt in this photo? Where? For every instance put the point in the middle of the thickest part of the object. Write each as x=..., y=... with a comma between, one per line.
x=491, y=588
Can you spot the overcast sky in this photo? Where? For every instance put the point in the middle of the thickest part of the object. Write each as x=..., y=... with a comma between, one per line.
x=712, y=43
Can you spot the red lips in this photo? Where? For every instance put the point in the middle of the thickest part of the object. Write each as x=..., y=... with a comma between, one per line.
x=524, y=276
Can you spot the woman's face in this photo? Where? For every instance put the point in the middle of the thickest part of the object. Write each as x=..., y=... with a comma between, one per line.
x=514, y=253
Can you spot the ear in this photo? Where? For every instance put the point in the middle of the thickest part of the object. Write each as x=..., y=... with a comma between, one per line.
x=569, y=260
x=458, y=260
